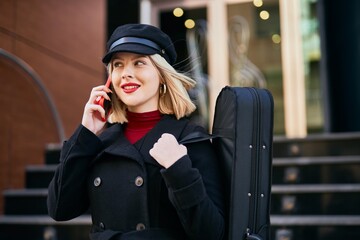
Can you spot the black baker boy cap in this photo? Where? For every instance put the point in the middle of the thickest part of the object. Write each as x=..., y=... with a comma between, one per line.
x=141, y=39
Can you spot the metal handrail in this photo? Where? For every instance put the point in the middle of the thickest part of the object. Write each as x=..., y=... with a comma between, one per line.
x=37, y=80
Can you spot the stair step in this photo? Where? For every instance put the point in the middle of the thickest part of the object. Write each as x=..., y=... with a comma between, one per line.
x=26, y=192
x=333, y=144
x=43, y=227
x=315, y=220
x=52, y=153
x=39, y=176
x=302, y=172
x=319, y=160
x=25, y=201
x=317, y=199
x=43, y=220
x=314, y=188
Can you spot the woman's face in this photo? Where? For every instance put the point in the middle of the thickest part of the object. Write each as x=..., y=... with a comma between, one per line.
x=136, y=81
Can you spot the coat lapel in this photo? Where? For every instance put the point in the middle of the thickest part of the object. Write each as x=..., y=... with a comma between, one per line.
x=168, y=124
x=115, y=143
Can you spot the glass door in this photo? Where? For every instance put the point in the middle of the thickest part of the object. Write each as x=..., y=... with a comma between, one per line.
x=255, y=50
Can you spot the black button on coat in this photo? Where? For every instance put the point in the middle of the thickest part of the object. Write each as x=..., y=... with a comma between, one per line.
x=129, y=195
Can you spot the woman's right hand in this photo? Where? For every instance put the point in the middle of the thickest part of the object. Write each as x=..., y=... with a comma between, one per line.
x=94, y=117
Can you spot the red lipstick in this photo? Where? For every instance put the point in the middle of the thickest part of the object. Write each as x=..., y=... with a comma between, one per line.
x=130, y=87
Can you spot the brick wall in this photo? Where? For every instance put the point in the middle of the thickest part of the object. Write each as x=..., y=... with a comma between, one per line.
x=62, y=42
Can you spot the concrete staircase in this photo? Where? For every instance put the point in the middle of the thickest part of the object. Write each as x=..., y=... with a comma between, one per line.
x=316, y=188
x=315, y=194
x=25, y=212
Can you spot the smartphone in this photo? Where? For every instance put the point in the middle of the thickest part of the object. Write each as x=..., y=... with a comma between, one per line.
x=100, y=100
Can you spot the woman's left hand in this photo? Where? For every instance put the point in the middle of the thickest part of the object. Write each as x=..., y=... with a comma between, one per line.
x=166, y=151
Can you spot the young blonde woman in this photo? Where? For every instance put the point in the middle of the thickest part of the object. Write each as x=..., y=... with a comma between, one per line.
x=130, y=172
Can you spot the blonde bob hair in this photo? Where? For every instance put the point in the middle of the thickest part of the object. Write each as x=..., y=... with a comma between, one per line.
x=175, y=100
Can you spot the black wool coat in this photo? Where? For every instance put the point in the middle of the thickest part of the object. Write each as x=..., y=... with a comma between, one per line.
x=129, y=195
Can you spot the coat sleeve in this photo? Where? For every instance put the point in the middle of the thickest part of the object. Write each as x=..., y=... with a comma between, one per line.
x=195, y=189
x=67, y=192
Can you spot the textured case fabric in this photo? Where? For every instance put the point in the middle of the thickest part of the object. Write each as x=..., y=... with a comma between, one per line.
x=243, y=130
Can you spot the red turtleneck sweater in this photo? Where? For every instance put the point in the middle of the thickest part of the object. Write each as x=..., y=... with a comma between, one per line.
x=140, y=124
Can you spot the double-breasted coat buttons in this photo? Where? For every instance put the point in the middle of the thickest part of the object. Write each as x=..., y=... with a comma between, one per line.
x=139, y=181
x=97, y=182
x=140, y=227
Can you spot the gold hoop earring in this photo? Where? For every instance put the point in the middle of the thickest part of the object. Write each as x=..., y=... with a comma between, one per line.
x=164, y=89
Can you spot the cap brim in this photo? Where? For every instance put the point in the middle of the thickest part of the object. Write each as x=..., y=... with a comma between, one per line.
x=129, y=47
